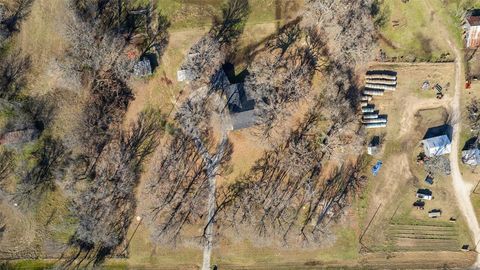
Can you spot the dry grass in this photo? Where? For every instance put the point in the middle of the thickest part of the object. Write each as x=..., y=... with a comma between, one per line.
x=411, y=112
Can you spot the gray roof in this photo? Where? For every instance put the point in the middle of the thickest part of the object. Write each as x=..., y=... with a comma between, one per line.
x=242, y=120
x=142, y=68
x=437, y=146
x=471, y=157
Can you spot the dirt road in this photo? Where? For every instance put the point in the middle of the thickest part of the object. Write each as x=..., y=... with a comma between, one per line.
x=462, y=189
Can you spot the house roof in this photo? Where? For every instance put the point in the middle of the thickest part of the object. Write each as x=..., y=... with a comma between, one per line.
x=436, y=146
x=185, y=75
x=473, y=20
x=471, y=156
x=243, y=119
x=142, y=68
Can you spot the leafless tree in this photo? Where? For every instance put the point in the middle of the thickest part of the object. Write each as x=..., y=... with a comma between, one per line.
x=348, y=28
x=13, y=70
x=105, y=209
x=155, y=34
x=207, y=55
x=50, y=160
x=178, y=187
x=101, y=119
x=7, y=165
x=94, y=53
x=283, y=74
x=229, y=27
x=204, y=58
x=473, y=115
x=276, y=198
x=17, y=12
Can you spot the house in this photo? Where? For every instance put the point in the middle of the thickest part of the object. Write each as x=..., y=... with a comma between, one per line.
x=425, y=194
x=437, y=146
x=241, y=107
x=472, y=29
x=374, y=146
x=142, y=68
x=471, y=156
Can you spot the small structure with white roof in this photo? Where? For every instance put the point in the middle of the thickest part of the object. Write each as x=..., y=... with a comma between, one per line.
x=471, y=156
x=437, y=146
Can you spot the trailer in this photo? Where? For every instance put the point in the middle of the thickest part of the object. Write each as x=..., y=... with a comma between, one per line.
x=373, y=92
x=381, y=86
x=375, y=125
x=381, y=81
x=376, y=120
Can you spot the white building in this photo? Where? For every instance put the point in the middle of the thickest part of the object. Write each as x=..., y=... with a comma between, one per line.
x=437, y=146
x=471, y=157
x=185, y=75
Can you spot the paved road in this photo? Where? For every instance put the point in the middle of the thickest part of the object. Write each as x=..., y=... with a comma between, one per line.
x=462, y=189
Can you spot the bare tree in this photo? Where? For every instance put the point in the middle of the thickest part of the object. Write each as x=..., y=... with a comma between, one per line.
x=179, y=187
x=18, y=11
x=105, y=209
x=229, y=27
x=50, y=161
x=207, y=55
x=13, y=70
x=276, y=198
x=7, y=165
x=473, y=110
x=155, y=35
x=283, y=74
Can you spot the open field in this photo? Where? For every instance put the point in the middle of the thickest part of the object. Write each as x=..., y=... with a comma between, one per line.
x=398, y=226
x=407, y=34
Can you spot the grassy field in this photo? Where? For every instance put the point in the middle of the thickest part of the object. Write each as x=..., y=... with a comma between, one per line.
x=407, y=34
x=198, y=13
x=398, y=226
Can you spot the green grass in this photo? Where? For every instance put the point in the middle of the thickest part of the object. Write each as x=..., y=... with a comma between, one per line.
x=413, y=38
x=27, y=264
x=199, y=13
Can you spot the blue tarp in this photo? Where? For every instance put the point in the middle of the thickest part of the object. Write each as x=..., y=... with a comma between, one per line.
x=376, y=168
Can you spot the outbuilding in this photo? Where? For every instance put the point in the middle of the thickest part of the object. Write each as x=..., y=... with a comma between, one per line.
x=437, y=146
x=471, y=156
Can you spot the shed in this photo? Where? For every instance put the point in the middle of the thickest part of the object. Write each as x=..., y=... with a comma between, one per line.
x=184, y=75
x=374, y=146
x=471, y=156
x=142, y=68
x=437, y=146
